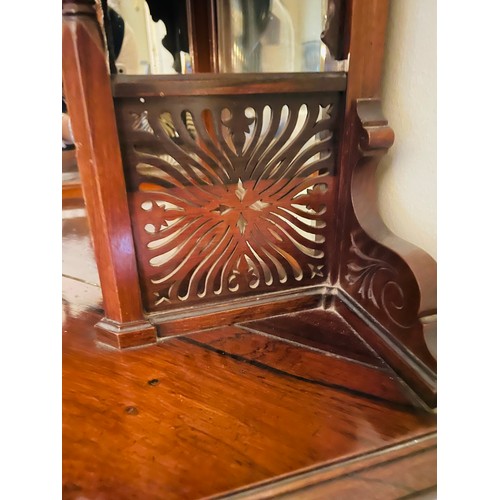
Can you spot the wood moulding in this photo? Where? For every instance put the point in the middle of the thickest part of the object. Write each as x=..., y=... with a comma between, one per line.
x=251, y=198
x=90, y=106
x=228, y=84
x=388, y=281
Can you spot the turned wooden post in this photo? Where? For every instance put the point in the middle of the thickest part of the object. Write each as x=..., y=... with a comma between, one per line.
x=90, y=104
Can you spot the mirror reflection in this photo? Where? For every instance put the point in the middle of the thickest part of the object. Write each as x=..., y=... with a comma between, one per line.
x=149, y=37
x=271, y=35
x=152, y=37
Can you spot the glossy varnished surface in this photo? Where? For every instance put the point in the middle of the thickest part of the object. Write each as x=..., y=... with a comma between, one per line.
x=220, y=410
x=325, y=330
x=193, y=203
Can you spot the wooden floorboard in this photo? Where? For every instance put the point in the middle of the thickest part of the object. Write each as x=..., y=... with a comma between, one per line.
x=222, y=412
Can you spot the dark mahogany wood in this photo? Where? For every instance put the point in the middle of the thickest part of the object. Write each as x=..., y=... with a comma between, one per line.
x=226, y=413
x=391, y=284
x=202, y=27
x=215, y=200
x=242, y=211
x=173, y=322
x=324, y=330
x=137, y=86
x=88, y=93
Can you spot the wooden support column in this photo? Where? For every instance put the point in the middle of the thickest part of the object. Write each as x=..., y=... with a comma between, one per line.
x=90, y=104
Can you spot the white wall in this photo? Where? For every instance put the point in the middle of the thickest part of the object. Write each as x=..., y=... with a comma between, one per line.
x=407, y=176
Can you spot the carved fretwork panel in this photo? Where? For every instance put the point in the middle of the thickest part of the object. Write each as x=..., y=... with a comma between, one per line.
x=228, y=195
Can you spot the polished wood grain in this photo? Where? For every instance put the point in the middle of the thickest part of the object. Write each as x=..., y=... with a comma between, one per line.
x=217, y=199
x=403, y=471
x=227, y=84
x=325, y=330
x=313, y=390
x=389, y=281
x=224, y=410
x=377, y=383
x=72, y=190
x=90, y=105
x=201, y=18
x=245, y=214
x=180, y=321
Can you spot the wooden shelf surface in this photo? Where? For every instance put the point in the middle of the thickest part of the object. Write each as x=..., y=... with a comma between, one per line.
x=224, y=412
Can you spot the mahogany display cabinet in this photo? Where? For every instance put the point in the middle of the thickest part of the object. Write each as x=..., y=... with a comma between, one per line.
x=219, y=198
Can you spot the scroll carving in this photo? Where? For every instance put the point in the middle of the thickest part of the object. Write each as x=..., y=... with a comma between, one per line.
x=389, y=282
x=375, y=273
x=376, y=281
x=376, y=137
x=387, y=277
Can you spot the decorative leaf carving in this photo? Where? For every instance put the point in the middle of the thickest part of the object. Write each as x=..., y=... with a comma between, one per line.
x=376, y=282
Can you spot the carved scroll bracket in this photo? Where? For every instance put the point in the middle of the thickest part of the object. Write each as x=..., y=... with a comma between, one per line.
x=390, y=279
x=376, y=136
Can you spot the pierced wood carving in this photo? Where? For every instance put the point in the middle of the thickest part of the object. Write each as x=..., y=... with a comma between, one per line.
x=218, y=189
x=229, y=197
